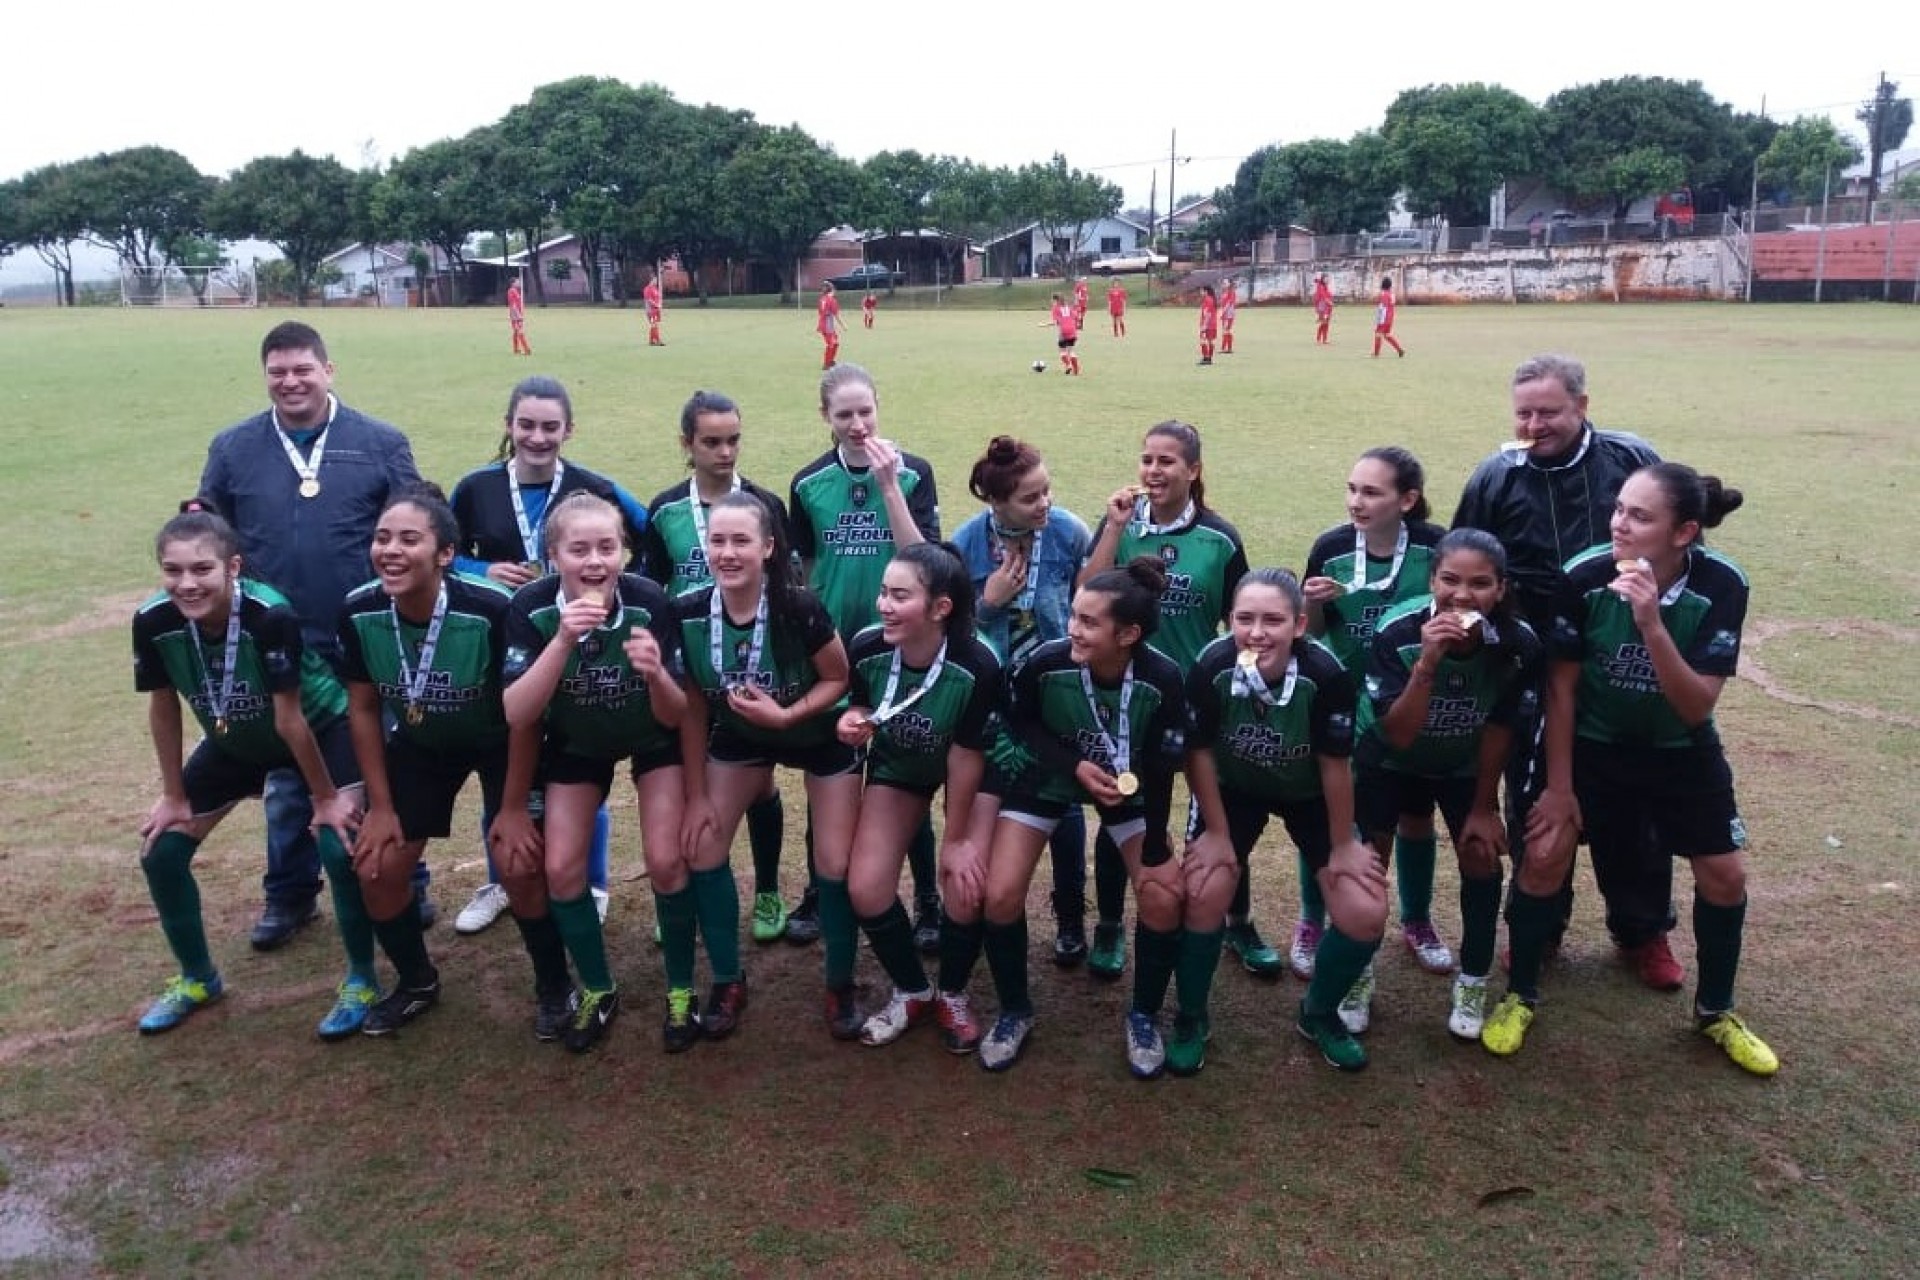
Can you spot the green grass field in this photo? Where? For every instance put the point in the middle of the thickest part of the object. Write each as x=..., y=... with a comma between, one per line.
x=1617, y=1144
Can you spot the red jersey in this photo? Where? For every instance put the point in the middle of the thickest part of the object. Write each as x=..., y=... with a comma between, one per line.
x=651, y=296
x=1117, y=300
x=1068, y=323
x=829, y=315
x=868, y=303
x=516, y=304
x=1229, y=303
x=1208, y=316
x=1322, y=298
x=1383, y=312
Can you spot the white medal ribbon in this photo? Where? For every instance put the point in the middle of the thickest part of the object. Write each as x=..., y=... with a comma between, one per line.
x=1249, y=683
x=308, y=468
x=699, y=511
x=414, y=680
x=1143, y=524
x=888, y=709
x=1360, y=582
x=716, y=636
x=1025, y=599
x=217, y=703
x=530, y=536
x=1120, y=751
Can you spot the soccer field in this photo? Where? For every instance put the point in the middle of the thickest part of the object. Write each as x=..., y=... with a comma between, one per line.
x=1616, y=1144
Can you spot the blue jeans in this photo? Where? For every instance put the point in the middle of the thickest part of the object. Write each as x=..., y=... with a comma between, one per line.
x=596, y=851
x=293, y=858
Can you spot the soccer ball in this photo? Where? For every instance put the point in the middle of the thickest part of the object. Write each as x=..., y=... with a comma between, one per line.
x=1039, y=366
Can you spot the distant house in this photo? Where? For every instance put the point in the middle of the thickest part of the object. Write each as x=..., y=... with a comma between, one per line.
x=926, y=256
x=1029, y=251
x=1179, y=223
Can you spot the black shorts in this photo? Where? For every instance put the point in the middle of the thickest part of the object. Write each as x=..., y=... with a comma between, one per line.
x=565, y=767
x=214, y=779
x=425, y=785
x=1305, y=820
x=1066, y=344
x=1381, y=797
x=829, y=759
x=1678, y=801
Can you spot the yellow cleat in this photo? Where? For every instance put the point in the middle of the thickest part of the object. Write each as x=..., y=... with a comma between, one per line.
x=1506, y=1029
x=1748, y=1051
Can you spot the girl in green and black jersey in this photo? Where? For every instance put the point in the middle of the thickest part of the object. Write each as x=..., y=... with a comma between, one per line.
x=1273, y=721
x=589, y=676
x=231, y=650
x=1643, y=639
x=1165, y=515
x=420, y=651
x=674, y=553
x=1355, y=574
x=1448, y=678
x=924, y=691
x=765, y=673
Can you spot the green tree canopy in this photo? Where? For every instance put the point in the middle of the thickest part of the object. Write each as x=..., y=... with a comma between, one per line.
x=439, y=194
x=1888, y=117
x=971, y=201
x=780, y=191
x=303, y=205
x=141, y=200
x=49, y=213
x=1451, y=145
x=1803, y=157
x=1063, y=200
x=1618, y=140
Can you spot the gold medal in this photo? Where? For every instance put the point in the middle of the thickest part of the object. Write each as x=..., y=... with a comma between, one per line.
x=1127, y=783
x=1469, y=618
x=534, y=567
x=416, y=714
x=1517, y=446
x=220, y=727
x=310, y=487
x=1249, y=661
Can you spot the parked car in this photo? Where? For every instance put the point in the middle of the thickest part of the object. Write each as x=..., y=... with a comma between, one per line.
x=1114, y=264
x=1398, y=240
x=869, y=275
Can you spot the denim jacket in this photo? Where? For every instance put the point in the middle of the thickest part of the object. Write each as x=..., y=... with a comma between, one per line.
x=1063, y=548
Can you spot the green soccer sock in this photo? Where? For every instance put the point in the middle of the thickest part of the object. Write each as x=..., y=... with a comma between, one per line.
x=1313, y=903
x=168, y=865
x=1193, y=973
x=1531, y=922
x=891, y=934
x=349, y=908
x=1479, y=922
x=1006, y=947
x=837, y=932
x=716, y=901
x=1717, y=932
x=579, y=923
x=679, y=928
x=766, y=828
x=547, y=951
x=960, y=946
x=1156, y=953
x=406, y=946
x=921, y=859
x=1337, y=964
x=1413, y=858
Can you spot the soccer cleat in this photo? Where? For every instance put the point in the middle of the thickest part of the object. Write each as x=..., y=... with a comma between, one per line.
x=926, y=925
x=400, y=1007
x=1187, y=1047
x=1653, y=963
x=726, y=1001
x=682, y=1027
x=1469, y=1014
x=1108, y=959
x=280, y=921
x=182, y=998
x=1336, y=1045
x=769, y=917
x=552, y=1010
x=1748, y=1051
x=1506, y=1028
x=593, y=1013
x=844, y=1020
x=1070, y=944
x=601, y=901
x=1429, y=951
x=959, y=1032
x=803, y=922
x=905, y=1011
x=1306, y=943
x=1003, y=1045
x=1256, y=957
x=1356, y=1007
x=1146, y=1051
x=355, y=1000
x=488, y=903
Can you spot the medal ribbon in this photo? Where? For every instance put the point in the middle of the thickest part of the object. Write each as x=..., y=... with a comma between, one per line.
x=413, y=680
x=1360, y=582
x=716, y=634
x=1143, y=519
x=888, y=709
x=699, y=512
x=529, y=536
x=1119, y=752
x=1248, y=683
x=1025, y=599
x=217, y=704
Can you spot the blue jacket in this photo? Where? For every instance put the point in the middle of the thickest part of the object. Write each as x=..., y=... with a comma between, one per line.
x=1063, y=547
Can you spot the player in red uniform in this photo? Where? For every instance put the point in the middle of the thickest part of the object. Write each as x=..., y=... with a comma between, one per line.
x=651, y=296
x=1080, y=303
x=1209, y=322
x=1322, y=309
x=517, y=317
x=1117, y=308
x=1229, y=306
x=1063, y=318
x=868, y=305
x=828, y=325
x=1383, y=319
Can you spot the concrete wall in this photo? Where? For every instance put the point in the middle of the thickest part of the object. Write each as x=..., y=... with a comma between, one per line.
x=1676, y=270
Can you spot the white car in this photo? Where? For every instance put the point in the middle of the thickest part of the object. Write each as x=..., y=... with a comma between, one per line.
x=1114, y=264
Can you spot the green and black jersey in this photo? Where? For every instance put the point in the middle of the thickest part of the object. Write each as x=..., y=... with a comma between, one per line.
x=1050, y=715
x=1619, y=699
x=670, y=548
x=785, y=667
x=840, y=527
x=1267, y=749
x=1497, y=683
x=1352, y=616
x=459, y=707
x=270, y=659
x=601, y=709
x=910, y=748
x=1205, y=561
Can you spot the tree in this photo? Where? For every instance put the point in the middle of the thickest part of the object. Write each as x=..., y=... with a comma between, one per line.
x=50, y=213
x=1451, y=145
x=1888, y=117
x=304, y=205
x=780, y=191
x=970, y=202
x=141, y=200
x=1803, y=156
x=1617, y=140
x=899, y=188
x=1063, y=201
x=439, y=194
x=688, y=192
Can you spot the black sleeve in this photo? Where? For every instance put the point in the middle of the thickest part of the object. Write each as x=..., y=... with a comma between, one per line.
x=865, y=644
x=1387, y=672
x=973, y=731
x=277, y=631
x=816, y=628
x=1476, y=506
x=353, y=662
x=1330, y=726
x=1715, y=650
x=924, y=501
x=524, y=641
x=654, y=561
x=1203, y=705
x=149, y=672
x=1522, y=692
x=799, y=524
x=1325, y=547
x=1236, y=570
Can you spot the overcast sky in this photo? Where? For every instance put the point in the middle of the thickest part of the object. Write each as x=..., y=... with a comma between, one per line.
x=368, y=81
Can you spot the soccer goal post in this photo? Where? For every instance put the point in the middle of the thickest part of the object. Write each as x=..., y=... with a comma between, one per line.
x=223, y=286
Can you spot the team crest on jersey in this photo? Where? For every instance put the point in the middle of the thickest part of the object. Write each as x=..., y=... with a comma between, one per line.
x=590, y=646
x=741, y=649
x=1456, y=682
x=857, y=494
x=1737, y=832
x=277, y=661
x=1169, y=554
x=515, y=660
x=1722, y=644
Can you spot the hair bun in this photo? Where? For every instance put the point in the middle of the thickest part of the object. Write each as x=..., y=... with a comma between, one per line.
x=1148, y=572
x=1002, y=450
x=1721, y=501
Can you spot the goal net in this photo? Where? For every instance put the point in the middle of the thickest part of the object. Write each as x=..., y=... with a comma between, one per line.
x=225, y=286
